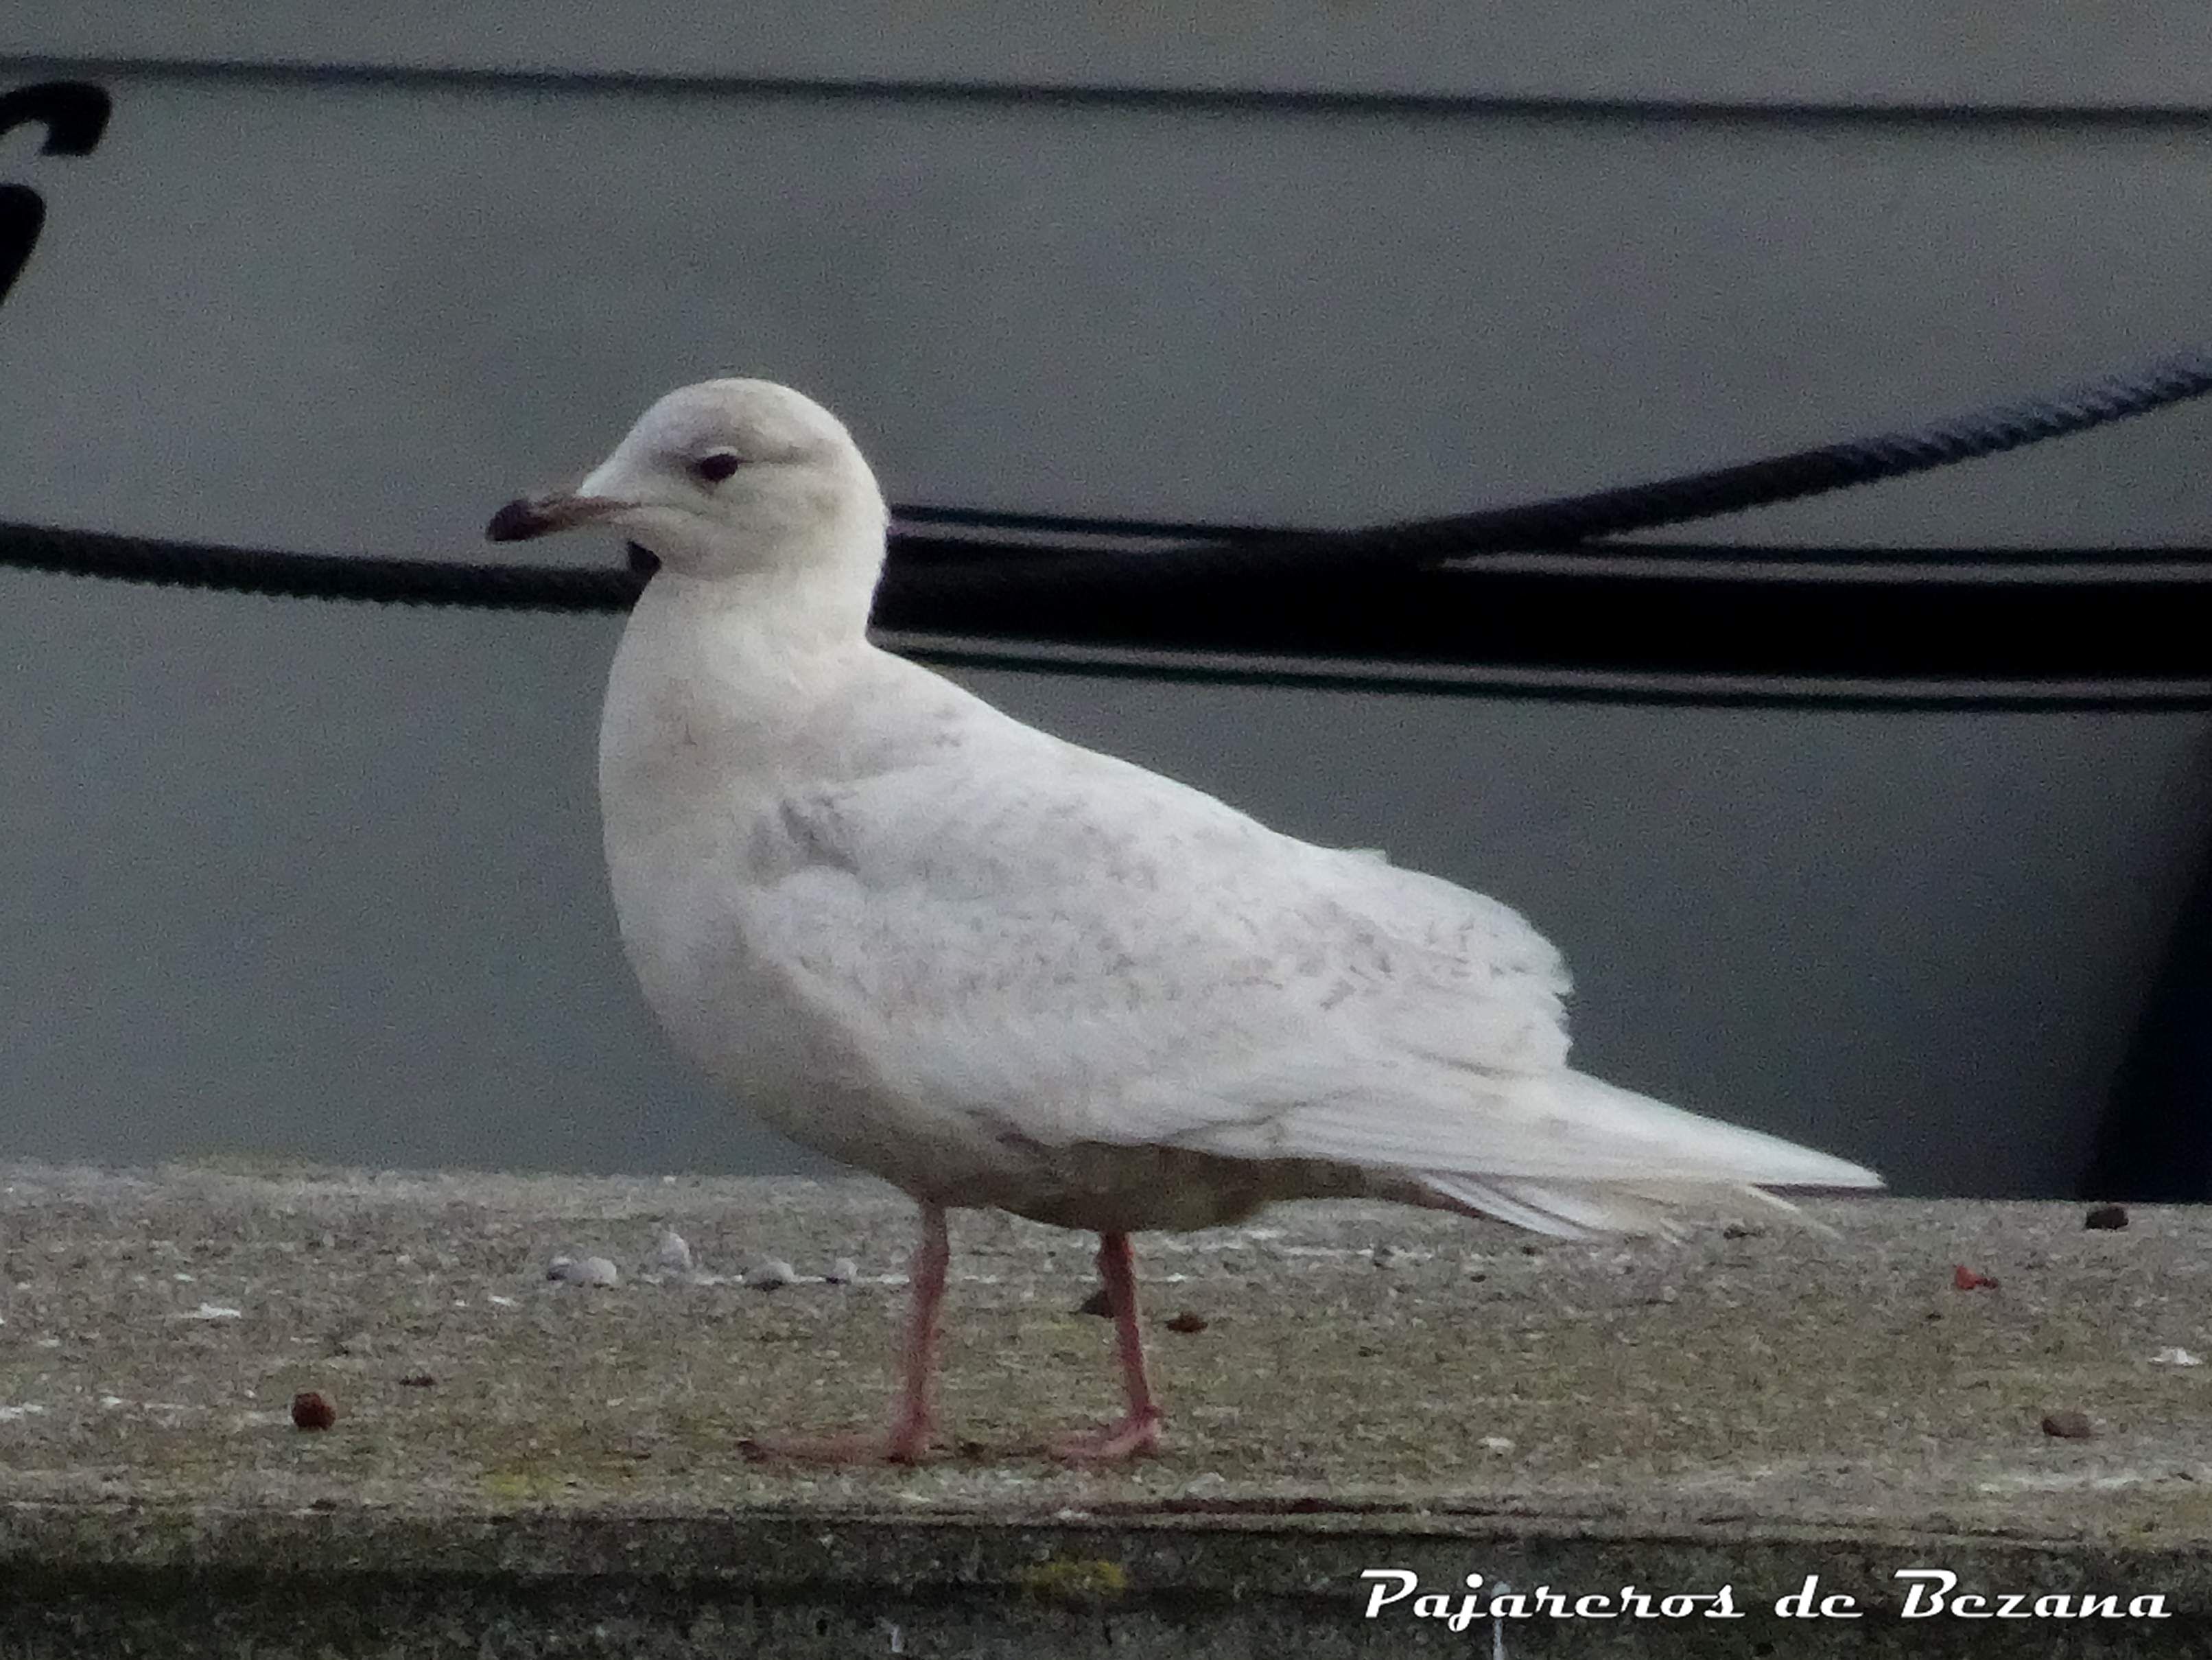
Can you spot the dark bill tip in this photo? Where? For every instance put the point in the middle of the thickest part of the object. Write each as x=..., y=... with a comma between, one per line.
x=518, y=521
x=541, y=515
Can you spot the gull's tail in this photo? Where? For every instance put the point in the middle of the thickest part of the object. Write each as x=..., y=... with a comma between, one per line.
x=1693, y=1165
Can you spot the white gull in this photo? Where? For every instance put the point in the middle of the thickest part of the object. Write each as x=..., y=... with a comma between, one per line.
x=999, y=969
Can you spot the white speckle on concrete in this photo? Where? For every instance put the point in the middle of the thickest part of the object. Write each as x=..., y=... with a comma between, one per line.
x=2176, y=1358
x=12, y=1415
x=210, y=1312
x=583, y=1271
x=1497, y=1443
x=497, y=1301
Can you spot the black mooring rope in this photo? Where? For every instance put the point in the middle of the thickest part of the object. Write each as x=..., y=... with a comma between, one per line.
x=951, y=567
x=490, y=585
x=1576, y=521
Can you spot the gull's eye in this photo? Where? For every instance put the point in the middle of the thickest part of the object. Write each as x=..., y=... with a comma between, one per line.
x=715, y=468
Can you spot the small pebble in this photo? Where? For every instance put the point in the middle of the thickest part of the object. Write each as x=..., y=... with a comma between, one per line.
x=772, y=1274
x=2068, y=1425
x=418, y=1380
x=1742, y=1231
x=2106, y=1217
x=843, y=1272
x=583, y=1271
x=1188, y=1322
x=312, y=1410
x=671, y=1253
x=1497, y=1443
x=1096, y=1304
x=1965, y=1279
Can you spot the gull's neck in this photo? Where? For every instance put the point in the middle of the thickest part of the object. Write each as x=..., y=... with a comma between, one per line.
x=742, y=661
x=768, y=616
x=809, y=596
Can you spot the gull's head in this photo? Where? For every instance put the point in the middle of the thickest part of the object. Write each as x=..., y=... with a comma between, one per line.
x=720, y=478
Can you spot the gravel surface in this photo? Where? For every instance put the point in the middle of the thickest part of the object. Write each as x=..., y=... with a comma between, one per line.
x=1338, y=1358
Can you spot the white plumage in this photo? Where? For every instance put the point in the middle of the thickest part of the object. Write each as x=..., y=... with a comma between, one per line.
x=996, y=968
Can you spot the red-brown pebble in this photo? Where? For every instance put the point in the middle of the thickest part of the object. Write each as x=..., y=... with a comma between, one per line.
x=1187, y=1322
x=1965, y=1278
x=312, y=1410
x=2068, y=1425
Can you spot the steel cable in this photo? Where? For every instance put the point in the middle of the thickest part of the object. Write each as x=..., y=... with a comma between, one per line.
x=1041, y=568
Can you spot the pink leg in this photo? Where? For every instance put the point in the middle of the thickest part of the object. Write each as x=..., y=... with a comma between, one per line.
x=907, y=1441
x=1139, y=1431
x=910, y=1425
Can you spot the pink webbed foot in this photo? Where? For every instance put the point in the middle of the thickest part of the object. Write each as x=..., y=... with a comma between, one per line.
x=1137, y=1436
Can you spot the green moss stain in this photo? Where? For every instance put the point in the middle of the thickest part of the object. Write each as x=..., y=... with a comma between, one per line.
x=1074, y=1579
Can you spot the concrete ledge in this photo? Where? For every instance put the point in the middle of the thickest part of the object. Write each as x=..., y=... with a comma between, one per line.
x=1373, y=1387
